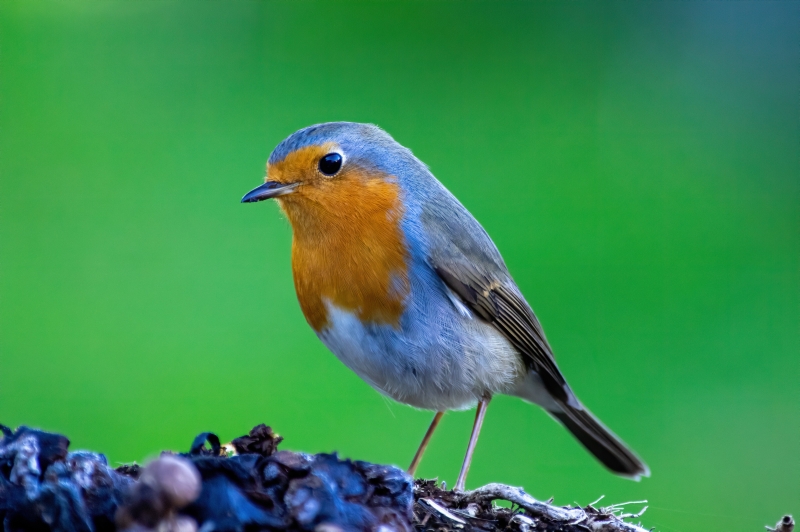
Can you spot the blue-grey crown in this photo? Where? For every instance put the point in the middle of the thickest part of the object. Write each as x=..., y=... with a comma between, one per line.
x=364, y=144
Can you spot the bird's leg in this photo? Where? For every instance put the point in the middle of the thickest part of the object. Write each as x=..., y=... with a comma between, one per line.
x=422, y=446
x=473, y=441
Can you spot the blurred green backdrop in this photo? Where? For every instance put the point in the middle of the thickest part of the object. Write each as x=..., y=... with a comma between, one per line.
x=637, y=163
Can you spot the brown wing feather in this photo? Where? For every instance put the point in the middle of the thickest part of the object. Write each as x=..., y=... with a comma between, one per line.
x=504, y=308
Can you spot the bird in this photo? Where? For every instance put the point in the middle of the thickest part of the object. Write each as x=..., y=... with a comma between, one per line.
x=408, y=290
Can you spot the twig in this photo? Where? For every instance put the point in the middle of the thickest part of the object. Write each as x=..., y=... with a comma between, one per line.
x=596, y=521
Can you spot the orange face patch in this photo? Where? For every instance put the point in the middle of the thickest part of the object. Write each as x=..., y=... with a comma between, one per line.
x=300, y=165
x=348, y=247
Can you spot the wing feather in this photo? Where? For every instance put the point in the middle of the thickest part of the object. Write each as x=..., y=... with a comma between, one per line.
x=493, y=301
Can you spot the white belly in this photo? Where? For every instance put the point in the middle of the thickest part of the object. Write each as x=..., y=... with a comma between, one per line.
x=448, y=366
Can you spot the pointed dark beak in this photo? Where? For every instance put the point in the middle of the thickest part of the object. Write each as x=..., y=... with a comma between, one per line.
x=269, y=190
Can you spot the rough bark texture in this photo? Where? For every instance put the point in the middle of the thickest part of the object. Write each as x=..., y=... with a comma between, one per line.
x=250, y=485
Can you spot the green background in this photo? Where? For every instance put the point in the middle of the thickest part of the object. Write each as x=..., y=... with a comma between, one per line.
x=638, y=164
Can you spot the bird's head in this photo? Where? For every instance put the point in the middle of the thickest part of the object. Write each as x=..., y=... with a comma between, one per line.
x=335, y=174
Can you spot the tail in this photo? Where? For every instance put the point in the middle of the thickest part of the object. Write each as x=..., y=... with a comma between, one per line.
x=600, y=441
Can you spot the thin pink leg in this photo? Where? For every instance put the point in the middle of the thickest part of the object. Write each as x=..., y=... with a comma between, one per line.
x=424, y=445
x=473, y=441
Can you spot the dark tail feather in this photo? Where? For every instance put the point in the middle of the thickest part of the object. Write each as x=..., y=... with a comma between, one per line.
x=601, y=442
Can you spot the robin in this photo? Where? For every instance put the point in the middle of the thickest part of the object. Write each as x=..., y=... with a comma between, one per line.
x=407, y=289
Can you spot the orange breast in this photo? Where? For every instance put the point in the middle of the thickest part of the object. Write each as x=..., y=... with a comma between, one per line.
x=348, y=248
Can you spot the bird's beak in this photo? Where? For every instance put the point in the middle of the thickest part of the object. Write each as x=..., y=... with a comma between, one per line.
x=269, y=190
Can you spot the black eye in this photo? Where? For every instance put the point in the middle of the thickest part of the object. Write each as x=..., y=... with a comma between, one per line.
x=330, y=164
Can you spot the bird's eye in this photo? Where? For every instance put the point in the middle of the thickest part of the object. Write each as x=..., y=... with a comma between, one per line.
x=330, y=164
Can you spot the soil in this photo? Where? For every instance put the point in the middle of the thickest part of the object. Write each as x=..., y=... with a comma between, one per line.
x=250, y=485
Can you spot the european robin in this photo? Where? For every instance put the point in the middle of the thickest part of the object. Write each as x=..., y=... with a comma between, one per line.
x=407, y=289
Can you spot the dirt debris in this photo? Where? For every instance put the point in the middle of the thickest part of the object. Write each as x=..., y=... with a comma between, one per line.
x=250, y=485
